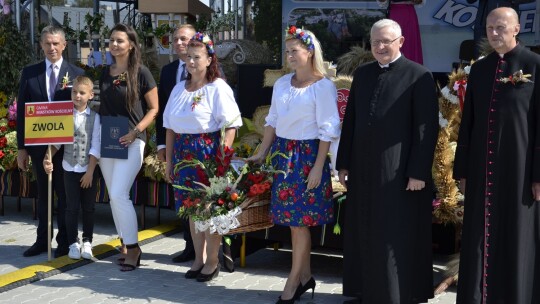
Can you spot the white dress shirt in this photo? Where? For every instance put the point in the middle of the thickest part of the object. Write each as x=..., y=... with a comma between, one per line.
x=304, y=113
x=215, y=109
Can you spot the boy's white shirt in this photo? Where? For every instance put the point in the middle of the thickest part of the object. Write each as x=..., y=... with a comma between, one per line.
x=95, y=144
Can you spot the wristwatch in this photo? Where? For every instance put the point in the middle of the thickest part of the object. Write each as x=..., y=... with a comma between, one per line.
x=137, y=132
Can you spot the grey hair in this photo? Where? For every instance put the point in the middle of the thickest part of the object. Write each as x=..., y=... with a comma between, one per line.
x=394, y=26
x=52, y=30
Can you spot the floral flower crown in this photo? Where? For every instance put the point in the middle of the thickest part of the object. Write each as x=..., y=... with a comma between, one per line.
x=206, y=40
x=296, y=33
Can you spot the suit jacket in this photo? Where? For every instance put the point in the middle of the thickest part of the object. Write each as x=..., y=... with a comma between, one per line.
x=33, y=88
x=167, y=81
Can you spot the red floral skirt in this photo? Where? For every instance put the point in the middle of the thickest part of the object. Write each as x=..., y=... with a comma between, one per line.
x=188, y=146
x=292, y=203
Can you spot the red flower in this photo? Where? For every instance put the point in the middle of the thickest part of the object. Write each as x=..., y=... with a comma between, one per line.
x=307, y=169
x=3, y=129
x=12, y=124
x=283, y=195
x=220, y=201
x=202, y=177
x=1, y=154
x=188, y=156
x=291, y=192
x=287, y=214
x=290, y=145
x=224, y=156
x=308, y=150
x=3, y=142
x=220, y=170
x=311, y=200
x=207, y=139
x=292, y=30
x=307, y=220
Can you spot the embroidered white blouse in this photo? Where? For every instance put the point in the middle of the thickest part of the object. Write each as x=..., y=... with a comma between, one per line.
x=205, y=110
x=304, y=113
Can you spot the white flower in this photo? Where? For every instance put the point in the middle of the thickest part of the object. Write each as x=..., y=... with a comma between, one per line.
x=298, y=31
x=206, y=39
x=449, y=96
x=443, y=122
x=467, y=69
x=11, y=138
x=218, y=185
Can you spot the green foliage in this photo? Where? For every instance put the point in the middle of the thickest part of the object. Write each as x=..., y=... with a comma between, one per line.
x=202, y=22
x=267, y=22
x=96, y=24
x=222, y=23
x=15, y=52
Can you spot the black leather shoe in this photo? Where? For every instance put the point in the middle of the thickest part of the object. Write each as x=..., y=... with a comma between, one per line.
x=208, y=277
x=186, y=255
x=61, y=250
x=34, y=250
x=192, y=274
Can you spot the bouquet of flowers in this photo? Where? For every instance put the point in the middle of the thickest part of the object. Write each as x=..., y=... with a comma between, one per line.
x=226, y=187
x=8, y=135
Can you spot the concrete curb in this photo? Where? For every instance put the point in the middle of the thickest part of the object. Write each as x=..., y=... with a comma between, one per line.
x=47, y=269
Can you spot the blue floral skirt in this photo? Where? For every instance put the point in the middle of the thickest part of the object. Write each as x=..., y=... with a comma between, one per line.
x=292, y=204
x=191, y=146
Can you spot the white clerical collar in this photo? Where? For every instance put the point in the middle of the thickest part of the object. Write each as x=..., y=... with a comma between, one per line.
x=388, y=64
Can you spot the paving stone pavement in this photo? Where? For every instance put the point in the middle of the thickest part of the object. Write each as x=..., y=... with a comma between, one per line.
x=159, y=280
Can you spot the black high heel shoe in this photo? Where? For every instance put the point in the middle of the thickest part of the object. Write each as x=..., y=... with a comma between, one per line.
x=129, y=267
x=289, y=301
x=120, y=261
x=192, y=274
x=303, y=288
x=208, y=277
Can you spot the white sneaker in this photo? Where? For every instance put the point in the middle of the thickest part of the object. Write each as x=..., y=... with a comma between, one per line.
x=86, y=251
x=74, y=251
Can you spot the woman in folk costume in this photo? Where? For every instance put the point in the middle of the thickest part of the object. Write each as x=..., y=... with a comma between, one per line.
x=302, y=122
x=196, y=111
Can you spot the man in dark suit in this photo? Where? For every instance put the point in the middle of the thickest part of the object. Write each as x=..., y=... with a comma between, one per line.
x=44, y=82
x=171, y=74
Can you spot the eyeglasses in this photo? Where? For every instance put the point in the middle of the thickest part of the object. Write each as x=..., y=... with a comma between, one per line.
x=383, y=42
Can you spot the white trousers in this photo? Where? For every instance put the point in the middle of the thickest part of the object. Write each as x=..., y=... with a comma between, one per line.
x=119, y=175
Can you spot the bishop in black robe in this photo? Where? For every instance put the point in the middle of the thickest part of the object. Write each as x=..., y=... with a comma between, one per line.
x=389, y=135
x=498, y=155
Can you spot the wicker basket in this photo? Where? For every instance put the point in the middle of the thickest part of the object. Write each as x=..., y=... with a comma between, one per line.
x=255, y=216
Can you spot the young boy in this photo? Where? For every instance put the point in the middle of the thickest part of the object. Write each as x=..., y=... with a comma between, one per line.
x=79, y=162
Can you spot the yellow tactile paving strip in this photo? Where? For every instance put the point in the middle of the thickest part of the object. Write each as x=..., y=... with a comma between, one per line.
x=30, y=273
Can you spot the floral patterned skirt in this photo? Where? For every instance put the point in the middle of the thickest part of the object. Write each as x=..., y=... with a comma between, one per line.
x=188, y=146
x=292, y=203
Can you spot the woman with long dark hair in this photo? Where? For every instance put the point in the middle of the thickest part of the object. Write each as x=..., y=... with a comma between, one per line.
x=128, y=89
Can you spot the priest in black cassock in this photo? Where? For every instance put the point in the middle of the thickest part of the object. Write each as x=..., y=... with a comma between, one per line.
x=386, y=152
x=498, y=159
